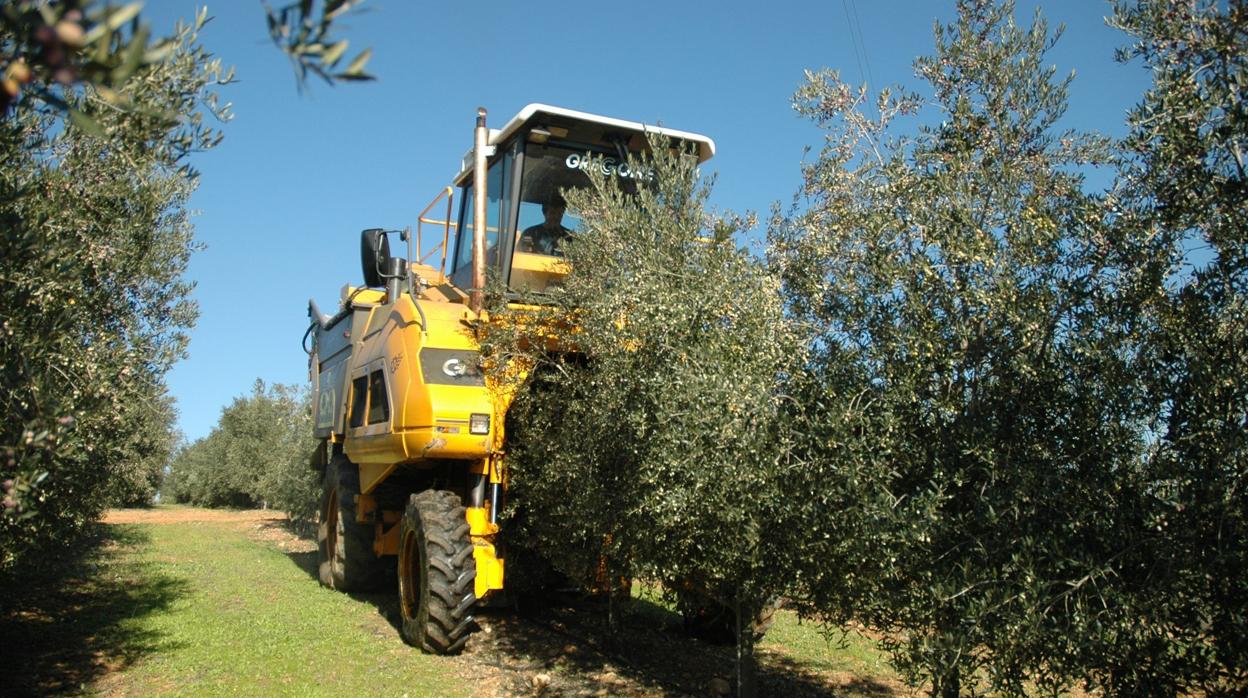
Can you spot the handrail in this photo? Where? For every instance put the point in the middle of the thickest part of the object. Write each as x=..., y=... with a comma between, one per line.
x=449, y=193
x=447, y=224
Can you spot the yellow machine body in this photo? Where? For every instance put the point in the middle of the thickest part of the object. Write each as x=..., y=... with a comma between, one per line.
x=397, y=408
x=398, y=387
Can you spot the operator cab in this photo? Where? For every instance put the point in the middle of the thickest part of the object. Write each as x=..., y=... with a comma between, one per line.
x=540, y=154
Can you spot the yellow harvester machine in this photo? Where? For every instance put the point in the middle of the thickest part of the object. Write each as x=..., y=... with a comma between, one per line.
x=410, y=427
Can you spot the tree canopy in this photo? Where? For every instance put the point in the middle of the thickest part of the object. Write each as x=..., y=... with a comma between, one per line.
x=966, y=400
x=961, y=398
x=258, y=455
x=661, y=428
x=96, y=305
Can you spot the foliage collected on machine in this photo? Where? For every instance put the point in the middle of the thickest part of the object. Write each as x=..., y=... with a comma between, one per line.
x=661, y=429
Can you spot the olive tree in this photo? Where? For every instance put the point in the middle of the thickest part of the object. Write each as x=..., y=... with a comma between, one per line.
x=1179, y=253
x=152, y=442
x=52, y=49
x=96, y=306
x=649, y=431
x=269, y=443
x=984, y=460
x=258, y=454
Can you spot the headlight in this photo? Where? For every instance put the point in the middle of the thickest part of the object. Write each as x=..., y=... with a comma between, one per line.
x=479, y=424
x=454, y=368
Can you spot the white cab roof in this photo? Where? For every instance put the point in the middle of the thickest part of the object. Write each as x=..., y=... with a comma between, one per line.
x=544, y=114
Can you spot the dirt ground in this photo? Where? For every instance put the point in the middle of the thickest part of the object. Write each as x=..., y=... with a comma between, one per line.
x=186, y=515
x=559, y=645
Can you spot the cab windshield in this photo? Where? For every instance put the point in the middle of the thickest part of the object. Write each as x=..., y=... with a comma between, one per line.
x=543, y=220
x=549, y=172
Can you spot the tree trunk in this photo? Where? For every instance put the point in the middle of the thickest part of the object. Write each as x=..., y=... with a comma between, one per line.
x=747, y=674
x=948, y=686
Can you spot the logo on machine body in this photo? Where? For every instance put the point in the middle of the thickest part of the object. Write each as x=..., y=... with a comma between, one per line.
x=608, y=166
x=325, y=408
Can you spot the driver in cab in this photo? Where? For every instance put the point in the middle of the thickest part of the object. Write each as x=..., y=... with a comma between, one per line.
x=546, y=237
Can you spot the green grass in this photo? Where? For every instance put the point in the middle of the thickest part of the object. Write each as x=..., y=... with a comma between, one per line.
x=200, y=609
x=254, y=622
x=849, y=663
x=806, y=644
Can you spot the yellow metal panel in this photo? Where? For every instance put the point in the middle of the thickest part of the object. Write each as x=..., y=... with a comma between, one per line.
x=364, y=507
x=362, y=295
x=479, y=522
x=536, y=272
x=371, y=475
x=429, y=443
x=489, y=569
x=387, y=540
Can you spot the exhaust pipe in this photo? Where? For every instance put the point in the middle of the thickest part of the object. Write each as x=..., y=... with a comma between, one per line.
x=476, y=294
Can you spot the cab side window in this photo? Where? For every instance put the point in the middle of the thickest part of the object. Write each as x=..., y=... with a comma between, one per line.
x=359, y=399
x=369, y=402
x=378, y=404
x=497, y=212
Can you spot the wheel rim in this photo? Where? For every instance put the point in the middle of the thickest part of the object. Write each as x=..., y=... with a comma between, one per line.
x=331, y=528
x=408, y=560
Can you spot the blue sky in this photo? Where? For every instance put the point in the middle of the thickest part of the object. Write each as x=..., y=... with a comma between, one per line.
x=282, y=200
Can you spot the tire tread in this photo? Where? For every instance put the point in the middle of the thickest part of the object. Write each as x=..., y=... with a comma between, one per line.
x=443, y=626
x=355, y=567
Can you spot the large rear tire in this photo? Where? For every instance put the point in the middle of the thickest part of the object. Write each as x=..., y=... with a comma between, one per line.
x=347, y=560
x=436, y=573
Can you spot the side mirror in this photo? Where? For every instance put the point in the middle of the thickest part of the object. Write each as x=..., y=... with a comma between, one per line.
x=374, y=251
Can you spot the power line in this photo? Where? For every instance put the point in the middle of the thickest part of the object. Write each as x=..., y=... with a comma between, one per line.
x=853, y=38
x=866, y=57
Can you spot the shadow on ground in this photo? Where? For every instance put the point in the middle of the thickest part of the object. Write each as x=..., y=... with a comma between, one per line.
x=566, y=638
x=74, y=619
x=385, y=600
x=559, y=644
